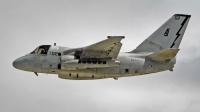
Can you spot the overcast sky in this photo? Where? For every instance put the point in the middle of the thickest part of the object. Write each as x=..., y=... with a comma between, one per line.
x=26, y=24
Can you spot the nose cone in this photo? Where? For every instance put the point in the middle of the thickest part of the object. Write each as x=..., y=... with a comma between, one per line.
x=23, y=63
x=17, y=63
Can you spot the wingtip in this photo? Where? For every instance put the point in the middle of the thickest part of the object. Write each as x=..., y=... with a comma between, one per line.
x=116, y=37
x=186, y=15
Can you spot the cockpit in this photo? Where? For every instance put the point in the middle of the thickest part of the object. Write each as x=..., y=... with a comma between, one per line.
x=43, y=49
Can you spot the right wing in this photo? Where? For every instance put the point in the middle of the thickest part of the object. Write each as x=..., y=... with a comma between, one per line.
x=108, y=48
x=98, y=55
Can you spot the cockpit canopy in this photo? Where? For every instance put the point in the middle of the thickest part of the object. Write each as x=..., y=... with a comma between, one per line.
x=43, y=49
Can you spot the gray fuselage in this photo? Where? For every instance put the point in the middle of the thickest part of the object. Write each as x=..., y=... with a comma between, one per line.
x=130, y=64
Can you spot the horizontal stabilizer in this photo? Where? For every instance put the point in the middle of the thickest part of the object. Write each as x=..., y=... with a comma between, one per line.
x=163, y=55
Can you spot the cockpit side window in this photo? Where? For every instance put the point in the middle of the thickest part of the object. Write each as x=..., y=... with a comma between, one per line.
x=43, y=49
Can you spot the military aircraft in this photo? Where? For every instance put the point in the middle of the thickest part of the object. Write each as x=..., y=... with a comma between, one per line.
x=102, y=60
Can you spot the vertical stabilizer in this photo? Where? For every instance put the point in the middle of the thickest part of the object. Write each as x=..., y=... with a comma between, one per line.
x=169, y=35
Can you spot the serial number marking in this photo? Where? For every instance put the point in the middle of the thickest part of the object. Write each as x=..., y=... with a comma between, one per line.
x=55, y=53
x=136, y=60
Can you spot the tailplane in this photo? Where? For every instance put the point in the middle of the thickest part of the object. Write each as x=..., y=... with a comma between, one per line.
x=164, y=55
x=169, y=35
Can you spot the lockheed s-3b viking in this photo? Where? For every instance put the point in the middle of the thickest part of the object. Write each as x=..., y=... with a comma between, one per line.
x=103, y=60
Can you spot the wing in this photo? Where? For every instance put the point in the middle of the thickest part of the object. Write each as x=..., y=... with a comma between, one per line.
x=108, y=48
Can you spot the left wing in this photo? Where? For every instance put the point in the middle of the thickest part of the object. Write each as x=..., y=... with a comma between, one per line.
x=108, y=48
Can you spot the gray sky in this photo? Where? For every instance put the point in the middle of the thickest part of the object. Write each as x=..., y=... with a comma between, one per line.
x=26, y=24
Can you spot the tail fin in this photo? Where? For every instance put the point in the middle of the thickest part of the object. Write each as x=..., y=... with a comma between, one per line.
x=169, y=35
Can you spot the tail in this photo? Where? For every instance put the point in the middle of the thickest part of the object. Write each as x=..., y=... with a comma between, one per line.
x=169, y=35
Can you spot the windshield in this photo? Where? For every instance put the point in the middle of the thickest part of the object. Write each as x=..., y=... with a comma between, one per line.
x=35, y=51
x=41, y=49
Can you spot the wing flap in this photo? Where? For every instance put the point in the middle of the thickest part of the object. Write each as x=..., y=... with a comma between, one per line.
x=114, y=50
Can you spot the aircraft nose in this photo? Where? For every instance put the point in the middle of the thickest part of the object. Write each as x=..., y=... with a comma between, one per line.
x=16, y=63
x=20, y=63
x=23, y=63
